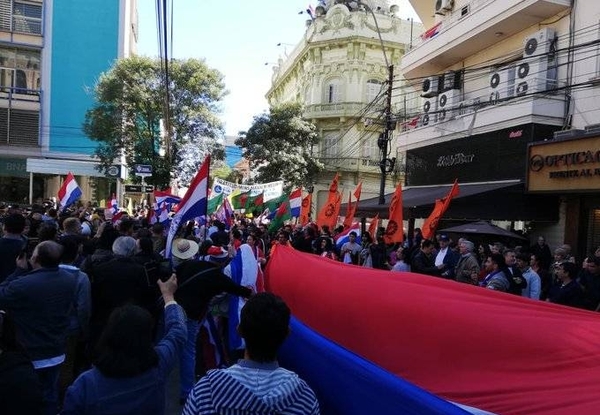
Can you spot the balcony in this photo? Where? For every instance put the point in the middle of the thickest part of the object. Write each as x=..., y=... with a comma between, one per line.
x=337, y=109
x=350, y=164
x=548, y=110
x=473, y=28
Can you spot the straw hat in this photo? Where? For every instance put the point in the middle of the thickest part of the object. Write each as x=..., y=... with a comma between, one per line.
x=184, y=248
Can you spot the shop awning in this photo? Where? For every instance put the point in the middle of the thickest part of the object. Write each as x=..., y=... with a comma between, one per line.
x=499, y=200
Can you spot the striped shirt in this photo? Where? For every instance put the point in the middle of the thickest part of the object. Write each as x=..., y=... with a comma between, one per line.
x=260, y=388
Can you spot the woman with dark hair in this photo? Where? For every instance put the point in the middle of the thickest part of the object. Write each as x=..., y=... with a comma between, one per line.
x=20, y=390
x=129, y=373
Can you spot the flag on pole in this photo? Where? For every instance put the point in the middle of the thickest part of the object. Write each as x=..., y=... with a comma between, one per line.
x=69, y=192
x=214, y=203
x=328, y=214
x=351, y=209
x=193, y=204
x=344, y=236
x=165, y=197
x=441, y=205
x=239, y=201
x=225, y=213
x=113, y=204
x=305, y=209
x=394, y=232
x=281, y=215
x=296, y=202
x=373, y=226
x=254, y=203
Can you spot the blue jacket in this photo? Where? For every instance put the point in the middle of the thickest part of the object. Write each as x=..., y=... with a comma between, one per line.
x=40, y=302
x=92, y=393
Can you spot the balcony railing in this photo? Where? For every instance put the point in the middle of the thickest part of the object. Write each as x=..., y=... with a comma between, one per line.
x=337, y=109
x=20, y=17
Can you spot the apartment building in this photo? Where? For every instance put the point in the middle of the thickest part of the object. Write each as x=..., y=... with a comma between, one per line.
x=499, y=80
x=51, y=54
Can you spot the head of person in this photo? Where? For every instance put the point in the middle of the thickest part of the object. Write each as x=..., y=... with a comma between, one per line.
x=559, y=254
x=352, y=236
x=72, y=226
x=593, y=265
x=541, y=240
x=283, y=237
x=400, y=254
x=494, y=262
x=184, y=249
x=46, y=254
x=465, y=247
x=566, y=271
x=523, y=260
x=126, y=226
x=497, y=248
x=47, y=232
x=71, y=250
x=443, y=240
x=510, y=257
x=124, y=246
x=145, y=246
x=251, y=239
x=158, y=229
x=126, y=347
x=567, y=249
x=427, y=246
x=264, y=325
x=14, y=224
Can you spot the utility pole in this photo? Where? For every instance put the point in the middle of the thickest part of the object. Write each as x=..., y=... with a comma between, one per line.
x=385, y=164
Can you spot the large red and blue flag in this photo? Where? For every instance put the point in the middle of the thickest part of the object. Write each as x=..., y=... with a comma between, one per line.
x=344, y=236
x=69, y=192
x=193, y=204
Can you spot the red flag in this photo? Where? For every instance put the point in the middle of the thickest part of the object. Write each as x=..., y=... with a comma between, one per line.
x=358, y=191
x=441, y=205
x=394, y=232
x=305, y=209
x=373, y=226
x=350, y=210
x=329, y=212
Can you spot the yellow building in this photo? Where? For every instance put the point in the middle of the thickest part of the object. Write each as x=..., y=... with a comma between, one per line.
x=340, y=71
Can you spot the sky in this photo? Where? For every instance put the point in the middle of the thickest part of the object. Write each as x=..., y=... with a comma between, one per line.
x=236, y=37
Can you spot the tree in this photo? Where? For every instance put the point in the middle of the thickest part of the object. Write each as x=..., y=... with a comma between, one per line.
x=278, y=146
x=127, y=116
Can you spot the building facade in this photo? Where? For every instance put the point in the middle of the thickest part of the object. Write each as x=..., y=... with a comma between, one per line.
x=339, y=71
x=497, y=78
x=51, y=54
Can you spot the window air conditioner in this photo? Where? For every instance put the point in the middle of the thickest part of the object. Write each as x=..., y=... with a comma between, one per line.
x=430, y=87
x=442, y=6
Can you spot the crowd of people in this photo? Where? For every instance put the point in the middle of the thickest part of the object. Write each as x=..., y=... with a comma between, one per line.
x=94, y=317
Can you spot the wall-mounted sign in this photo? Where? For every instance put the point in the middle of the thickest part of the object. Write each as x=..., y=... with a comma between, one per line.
x=566, y=165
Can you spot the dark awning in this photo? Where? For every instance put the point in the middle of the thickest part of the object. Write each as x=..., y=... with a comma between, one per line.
x=500, y=200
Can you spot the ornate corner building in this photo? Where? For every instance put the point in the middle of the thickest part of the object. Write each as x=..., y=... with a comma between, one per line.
x=339, y=71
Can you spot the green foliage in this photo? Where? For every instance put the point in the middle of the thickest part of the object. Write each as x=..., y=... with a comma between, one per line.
x=125, y=120
x=278, y=146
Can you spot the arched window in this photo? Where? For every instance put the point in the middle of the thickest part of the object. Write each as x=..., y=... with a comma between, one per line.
x=373, y=89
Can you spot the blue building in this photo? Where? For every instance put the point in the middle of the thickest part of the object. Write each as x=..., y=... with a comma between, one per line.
x=51, y=54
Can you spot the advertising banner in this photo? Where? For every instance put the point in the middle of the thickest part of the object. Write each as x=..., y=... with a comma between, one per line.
x=271, y=190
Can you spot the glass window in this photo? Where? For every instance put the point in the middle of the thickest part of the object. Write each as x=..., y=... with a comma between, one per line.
x=27, y=17
x=331, y=144
x=369, y=148
x=373, y=89
x=19, y=69
x=333, y=91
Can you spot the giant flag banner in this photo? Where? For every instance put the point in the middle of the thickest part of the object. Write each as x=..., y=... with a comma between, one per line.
x=193, y=204
x=164, y=197
x=490, y=350
x=394, y=232
x=441, y=205
x=69, y=192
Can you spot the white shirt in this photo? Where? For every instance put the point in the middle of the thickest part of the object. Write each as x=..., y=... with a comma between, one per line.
x=439, y=259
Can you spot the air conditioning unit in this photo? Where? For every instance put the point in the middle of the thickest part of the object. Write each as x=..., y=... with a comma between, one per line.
x=467, y=107
x=442, y=6
x=540, y=43
x=446, y=104
x=502, y=83
x=430, y=87
x=429, y=113
x=451, y=80
x=535, y=75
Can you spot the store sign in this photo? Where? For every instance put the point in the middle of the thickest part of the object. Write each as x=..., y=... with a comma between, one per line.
x=564, y=165
x=13, y=167
x=496, y=155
